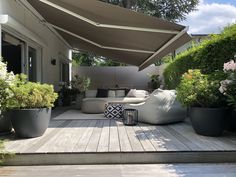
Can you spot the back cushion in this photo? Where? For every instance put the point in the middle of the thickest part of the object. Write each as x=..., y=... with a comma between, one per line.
x=120, y=93
x=102, y=93
x=111, y=93
x=90, y=93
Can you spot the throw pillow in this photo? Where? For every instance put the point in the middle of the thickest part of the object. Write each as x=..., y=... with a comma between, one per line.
x=102, y=93
x=131, y=93
x=111, y=93
x=90, y=93
x=127, y=91
x=120, y=93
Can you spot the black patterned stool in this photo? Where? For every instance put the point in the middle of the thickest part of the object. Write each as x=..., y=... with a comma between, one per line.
x=114, y=111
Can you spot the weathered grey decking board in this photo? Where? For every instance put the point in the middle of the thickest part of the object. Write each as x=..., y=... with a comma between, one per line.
x=112, y=136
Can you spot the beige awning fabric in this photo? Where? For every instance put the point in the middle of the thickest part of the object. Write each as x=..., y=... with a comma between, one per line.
x=110, y=31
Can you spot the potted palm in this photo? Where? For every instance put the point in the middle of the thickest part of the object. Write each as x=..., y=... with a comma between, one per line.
x=80, y=84
x=30, y=104
x=206, y=104
x=6, y=80
x=228, y=88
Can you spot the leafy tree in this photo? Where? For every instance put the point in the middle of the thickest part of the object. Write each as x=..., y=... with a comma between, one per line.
x=88, y=59
x=83, y=59
x=172, y=10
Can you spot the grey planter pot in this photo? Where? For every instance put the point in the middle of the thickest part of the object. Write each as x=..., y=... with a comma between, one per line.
x=30, y=123
x=79, y=99
x=232, y=121
x=5, y=123
x=208, y=121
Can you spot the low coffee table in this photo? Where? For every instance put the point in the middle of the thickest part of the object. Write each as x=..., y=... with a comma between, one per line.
x=114, y=110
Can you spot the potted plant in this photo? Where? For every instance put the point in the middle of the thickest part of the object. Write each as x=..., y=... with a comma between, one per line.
x=80, y=84
x=30, y=104
x=228, y=88
x=207, y=106
x=66, y=94
x=6, y=80
x=154, y=82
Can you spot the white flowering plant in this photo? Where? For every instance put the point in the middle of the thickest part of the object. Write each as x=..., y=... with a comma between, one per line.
x=228, y=86
x=80, y=84
x=6, y=80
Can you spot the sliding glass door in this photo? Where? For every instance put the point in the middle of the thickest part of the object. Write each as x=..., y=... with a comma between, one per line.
x=32, y=64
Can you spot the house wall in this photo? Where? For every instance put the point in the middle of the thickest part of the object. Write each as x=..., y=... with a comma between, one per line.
x=196, y=40
x=124, y=76
x=50, y=45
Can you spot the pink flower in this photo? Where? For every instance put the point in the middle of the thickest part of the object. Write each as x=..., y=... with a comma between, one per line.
x=224, y=84
x=230, y=66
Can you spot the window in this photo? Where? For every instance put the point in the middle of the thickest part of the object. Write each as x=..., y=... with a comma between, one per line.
x=65, y=72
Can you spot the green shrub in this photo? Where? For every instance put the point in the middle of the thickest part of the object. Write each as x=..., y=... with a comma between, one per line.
x=6, y=80
x=30, y=95
x=209, y=57
x=200, y=90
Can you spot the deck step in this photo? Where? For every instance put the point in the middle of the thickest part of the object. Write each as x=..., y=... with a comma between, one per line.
x=121, y=158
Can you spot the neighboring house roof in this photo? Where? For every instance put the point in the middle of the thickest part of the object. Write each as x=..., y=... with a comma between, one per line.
x=199, y=35
x=107, y=30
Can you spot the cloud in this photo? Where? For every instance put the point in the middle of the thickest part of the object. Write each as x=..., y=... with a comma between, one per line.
x=210, y=18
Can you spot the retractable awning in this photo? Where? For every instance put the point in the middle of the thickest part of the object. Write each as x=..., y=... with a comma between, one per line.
x=110, y=31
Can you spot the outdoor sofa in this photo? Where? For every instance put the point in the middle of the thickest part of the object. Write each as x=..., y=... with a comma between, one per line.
x=95, y=100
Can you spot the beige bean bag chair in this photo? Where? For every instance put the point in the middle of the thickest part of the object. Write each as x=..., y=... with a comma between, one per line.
x=160, y=108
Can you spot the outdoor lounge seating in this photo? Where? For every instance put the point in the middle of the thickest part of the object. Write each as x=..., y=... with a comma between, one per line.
x=160, y=108
x=92, y=104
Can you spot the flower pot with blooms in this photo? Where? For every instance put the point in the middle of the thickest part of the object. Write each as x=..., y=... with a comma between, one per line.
x=200, y=93
x=228, y=88
x=6, y=80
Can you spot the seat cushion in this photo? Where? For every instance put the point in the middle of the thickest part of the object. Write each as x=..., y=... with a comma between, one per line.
x=93, y=106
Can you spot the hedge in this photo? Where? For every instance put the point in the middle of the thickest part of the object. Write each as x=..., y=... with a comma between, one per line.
x=209, y=57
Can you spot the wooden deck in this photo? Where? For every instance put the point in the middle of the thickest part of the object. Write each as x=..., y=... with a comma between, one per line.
x=108, y=139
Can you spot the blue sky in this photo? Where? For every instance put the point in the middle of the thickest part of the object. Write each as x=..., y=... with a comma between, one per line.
x=211, y=16
x=233, y=2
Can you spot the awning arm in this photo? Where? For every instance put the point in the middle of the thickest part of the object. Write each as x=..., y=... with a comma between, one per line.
x=97, y=24
x=164, y=47
x=99, y=45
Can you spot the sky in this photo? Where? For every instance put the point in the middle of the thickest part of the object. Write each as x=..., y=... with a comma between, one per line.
x=211, y=16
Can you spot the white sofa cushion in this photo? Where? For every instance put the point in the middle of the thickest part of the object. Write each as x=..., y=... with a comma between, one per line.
x=141, y=93
x=90, y=93
x=120, y=93
x=111, y=93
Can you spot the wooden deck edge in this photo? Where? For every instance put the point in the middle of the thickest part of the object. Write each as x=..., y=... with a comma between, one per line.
x=120, y=158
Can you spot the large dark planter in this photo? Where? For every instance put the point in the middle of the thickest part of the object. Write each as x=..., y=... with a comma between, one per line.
x=5, y=123
x=232, y=121
x=29, y=123
x=208, y=121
